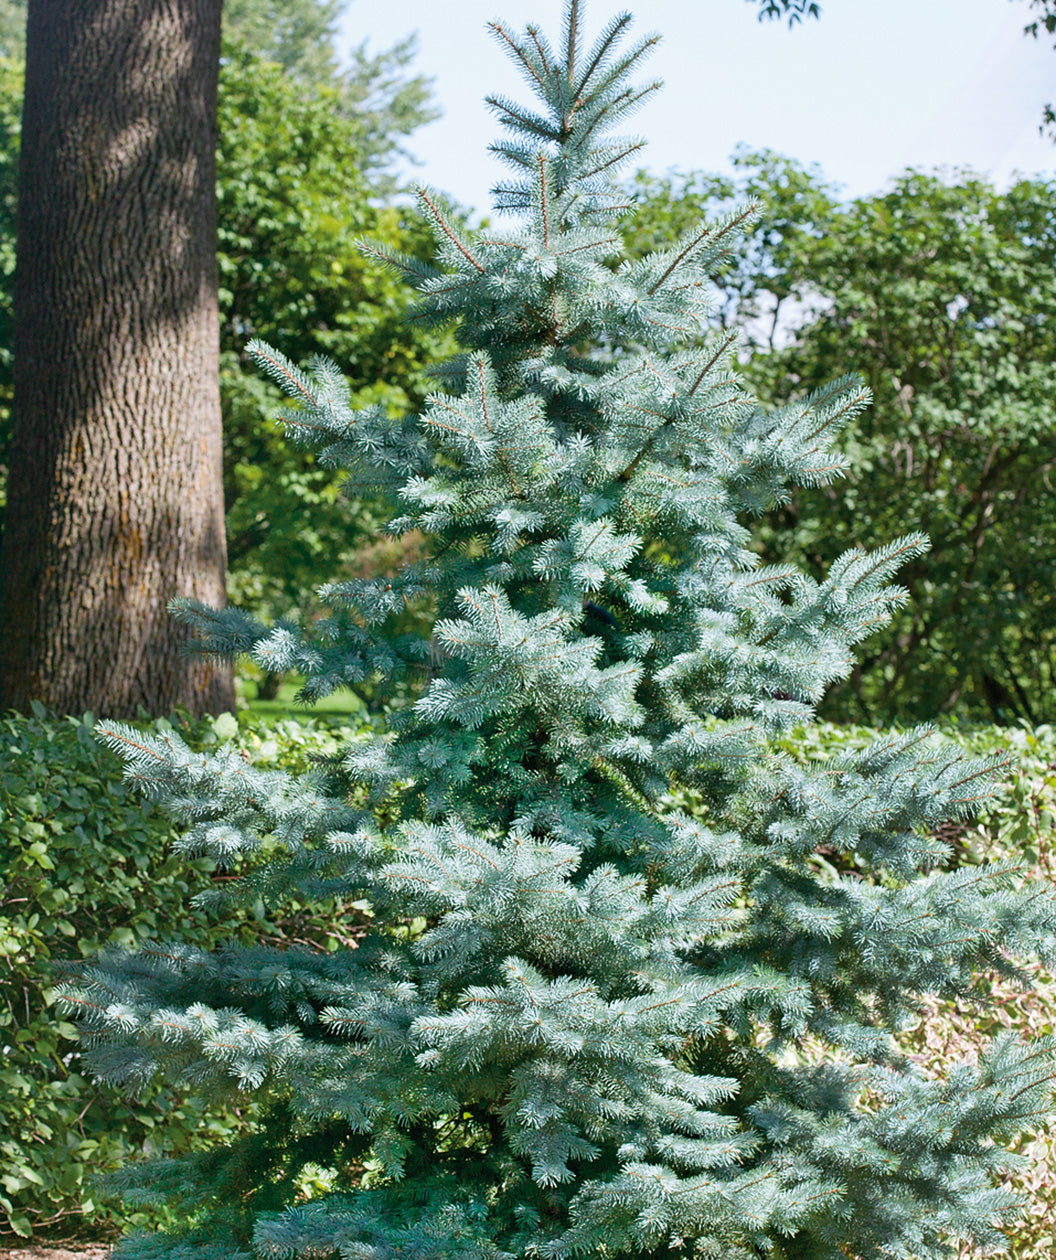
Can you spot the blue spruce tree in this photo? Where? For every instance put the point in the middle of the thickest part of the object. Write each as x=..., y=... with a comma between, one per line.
x=610, y=1003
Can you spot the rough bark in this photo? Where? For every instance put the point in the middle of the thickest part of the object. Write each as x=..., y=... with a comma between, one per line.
x=115, y=499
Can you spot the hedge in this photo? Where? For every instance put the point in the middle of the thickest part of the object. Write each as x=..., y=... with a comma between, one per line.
x=86, y=863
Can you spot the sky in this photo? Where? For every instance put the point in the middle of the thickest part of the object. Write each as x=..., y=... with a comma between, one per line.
x=873, y=87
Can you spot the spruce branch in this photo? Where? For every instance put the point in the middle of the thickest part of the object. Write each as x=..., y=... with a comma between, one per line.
x=512, y=114
x=609, y=37
x=438, y=218
x=706, y=235
x=614, y=108
x=416, y=271
x=503, y=36
x=571, y=25
x=615, y=160
x=544, y=51
x=544, y=201
x=282, y=371
x=725, y=345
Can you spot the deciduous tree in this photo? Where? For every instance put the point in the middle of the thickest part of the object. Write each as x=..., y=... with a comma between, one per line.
x=940, y=292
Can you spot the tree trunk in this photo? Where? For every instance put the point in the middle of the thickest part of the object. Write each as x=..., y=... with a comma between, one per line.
x=115, y=499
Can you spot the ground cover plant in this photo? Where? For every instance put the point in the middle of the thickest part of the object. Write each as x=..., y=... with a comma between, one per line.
x=582, y=1020
x=87, y=864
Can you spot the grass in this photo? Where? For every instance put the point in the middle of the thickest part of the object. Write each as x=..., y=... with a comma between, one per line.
x=344, y=703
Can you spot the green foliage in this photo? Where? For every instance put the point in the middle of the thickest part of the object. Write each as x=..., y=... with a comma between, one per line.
x=87, y=864
x=794, y=10
x=949, y=291
x=941, y=294
x=293, y=201
x=296, y=35
x=581, y=1019
x=1043, y=18
x=13, y=30
x=83, y=867
x=385, y=103
x=372, y=91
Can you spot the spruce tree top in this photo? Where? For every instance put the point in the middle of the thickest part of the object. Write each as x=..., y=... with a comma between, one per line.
x=641, y=1017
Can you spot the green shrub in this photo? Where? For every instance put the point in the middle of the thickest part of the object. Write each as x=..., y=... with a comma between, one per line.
x=86, y=863
x=1018, y=822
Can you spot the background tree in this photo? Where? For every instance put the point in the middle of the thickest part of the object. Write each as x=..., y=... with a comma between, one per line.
x=13, y=30
x=1044, y=19
x=374, y=91
x=297, y=35
x=300, y=36
x=296, y=192
x=947, y=292
x=114, y=500
x=941, y=295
